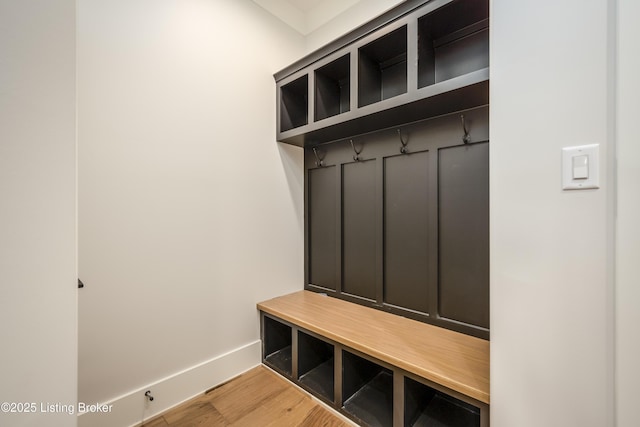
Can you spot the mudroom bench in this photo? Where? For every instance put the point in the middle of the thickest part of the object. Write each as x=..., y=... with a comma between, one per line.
x=375, y=367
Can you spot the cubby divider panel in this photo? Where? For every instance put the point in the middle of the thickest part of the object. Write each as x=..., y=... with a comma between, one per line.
x=426, y=407
x=463, y=288
x=316, y=365
x=277, y=345
x=294, y=104
x=322, y=227
x=359, y=229
x=332, y=88
x=382, y=68
x=367, y=391
x=406, y=244
x=452, y=41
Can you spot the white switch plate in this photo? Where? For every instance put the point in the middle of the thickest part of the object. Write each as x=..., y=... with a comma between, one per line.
x=593, y=167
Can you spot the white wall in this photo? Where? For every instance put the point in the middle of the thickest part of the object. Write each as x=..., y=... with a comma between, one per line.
x=628, y=213
x=189, y=211
x=356, y=15
x=158, y=97
x=551, y=257
x=38, y=288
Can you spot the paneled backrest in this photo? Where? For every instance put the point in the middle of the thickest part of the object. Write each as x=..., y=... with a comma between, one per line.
x=407, y=232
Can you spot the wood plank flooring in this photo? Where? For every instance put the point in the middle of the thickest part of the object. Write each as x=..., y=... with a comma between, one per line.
x=256, y=398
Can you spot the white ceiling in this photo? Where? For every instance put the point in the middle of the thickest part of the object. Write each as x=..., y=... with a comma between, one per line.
x=305, y=5
x=306, y=16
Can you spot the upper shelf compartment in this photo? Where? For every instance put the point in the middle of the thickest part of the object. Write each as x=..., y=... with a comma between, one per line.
x=382, y=68
x=294, y=104
x=453, y=41
x=332, y=88
x=421, y=59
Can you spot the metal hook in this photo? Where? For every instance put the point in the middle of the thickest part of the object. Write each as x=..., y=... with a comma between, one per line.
x=319, y=162
x=147, y=394
x=357, y=155
x=466, y=138
x=404, y=143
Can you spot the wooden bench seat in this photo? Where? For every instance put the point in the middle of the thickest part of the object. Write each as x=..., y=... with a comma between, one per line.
x=456, y=361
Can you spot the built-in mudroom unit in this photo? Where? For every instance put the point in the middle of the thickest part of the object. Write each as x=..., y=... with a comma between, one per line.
x=392, y=327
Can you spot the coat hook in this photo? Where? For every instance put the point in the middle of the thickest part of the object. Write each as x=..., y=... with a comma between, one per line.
x=466, y=138
x=356, y=157
x=319, y=162
x=404, y=143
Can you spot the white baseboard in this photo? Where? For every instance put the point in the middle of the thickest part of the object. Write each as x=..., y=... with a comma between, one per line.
x=133, y=408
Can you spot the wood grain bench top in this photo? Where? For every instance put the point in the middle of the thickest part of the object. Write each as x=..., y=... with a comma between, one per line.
x=454, y=360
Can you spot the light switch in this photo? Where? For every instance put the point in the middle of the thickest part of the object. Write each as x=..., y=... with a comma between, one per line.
x=580, y=167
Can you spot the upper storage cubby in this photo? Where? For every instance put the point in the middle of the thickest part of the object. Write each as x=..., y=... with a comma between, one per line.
x=453, y=41
x=332, y=94
x=294, y=102
x=382, y=68
x=419, y=60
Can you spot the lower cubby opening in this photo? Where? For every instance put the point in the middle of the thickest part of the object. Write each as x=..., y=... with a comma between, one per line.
x=277, y=345
x=316, y=365
x=367, y=391
x=427, y=407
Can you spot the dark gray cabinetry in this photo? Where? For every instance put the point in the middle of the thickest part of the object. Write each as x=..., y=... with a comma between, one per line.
x=321, y=224
x=277, y=344
x=421, y=59
x=359, y=229
x=394, y=118
x=427, y=407
x=382, y=68
x=452, y=41
x=332, y=94
x=463, y=218
x=316, y=363
x=405, y=232
x=293, y=104
x=368, y=391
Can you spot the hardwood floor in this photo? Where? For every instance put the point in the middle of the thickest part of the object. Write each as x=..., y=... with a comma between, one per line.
x=257, y=398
